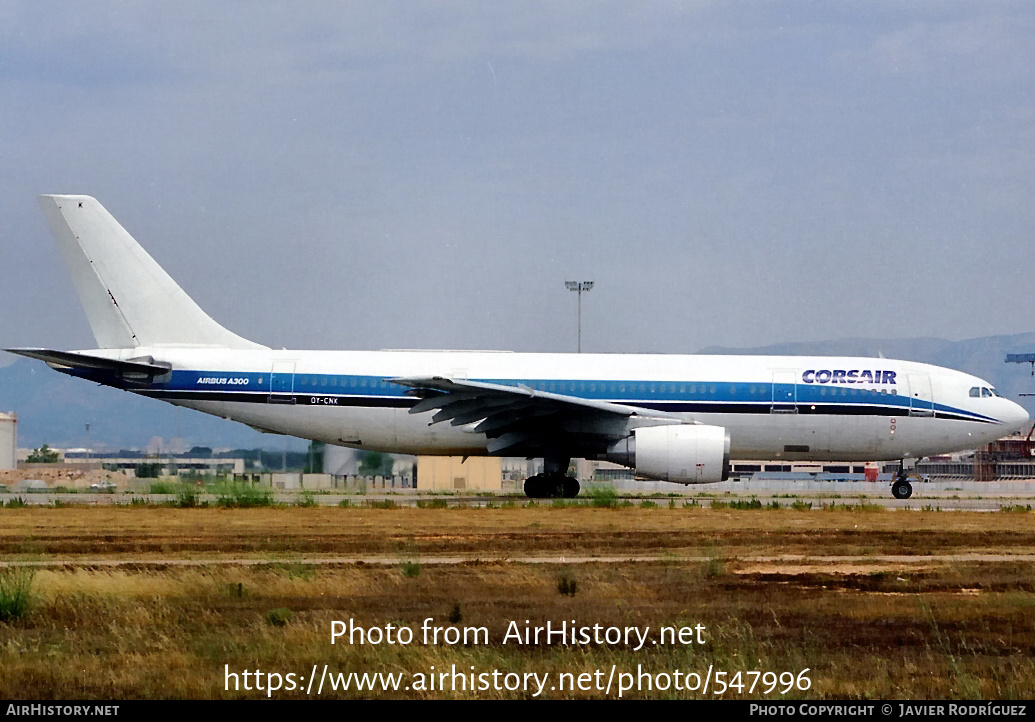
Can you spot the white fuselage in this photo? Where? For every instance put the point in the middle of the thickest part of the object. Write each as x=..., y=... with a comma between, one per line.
x=773, y=407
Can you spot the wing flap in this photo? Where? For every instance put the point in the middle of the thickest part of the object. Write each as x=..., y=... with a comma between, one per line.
x=520, y=420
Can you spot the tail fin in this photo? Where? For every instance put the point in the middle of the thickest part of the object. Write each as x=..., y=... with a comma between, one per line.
x=129, y=300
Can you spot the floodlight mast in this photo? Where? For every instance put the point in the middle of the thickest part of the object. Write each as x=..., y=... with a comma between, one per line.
x=579, y=287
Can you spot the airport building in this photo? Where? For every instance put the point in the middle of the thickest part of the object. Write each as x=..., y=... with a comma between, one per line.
x=456, y=473
x=166, y=466
x=8, y=441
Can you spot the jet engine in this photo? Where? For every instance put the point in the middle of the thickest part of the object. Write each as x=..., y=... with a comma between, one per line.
x=684, y=453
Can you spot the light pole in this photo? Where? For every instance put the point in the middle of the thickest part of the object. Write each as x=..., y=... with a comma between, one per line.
x=579, y=287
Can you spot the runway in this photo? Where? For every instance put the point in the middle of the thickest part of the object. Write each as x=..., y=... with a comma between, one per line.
x=927, y=497
x=772, y=563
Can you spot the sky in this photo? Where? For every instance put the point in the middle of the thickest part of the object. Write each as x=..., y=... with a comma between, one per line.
x=364, y=175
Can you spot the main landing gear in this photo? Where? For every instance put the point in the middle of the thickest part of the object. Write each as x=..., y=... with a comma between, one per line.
x=551, y=486
x=554, y=482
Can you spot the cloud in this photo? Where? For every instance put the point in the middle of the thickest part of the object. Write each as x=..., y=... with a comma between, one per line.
x=992, y=45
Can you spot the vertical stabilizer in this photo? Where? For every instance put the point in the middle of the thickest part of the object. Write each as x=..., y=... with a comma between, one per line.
x=129, y=300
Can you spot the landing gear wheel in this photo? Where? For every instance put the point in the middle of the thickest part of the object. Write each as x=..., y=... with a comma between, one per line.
x=570, y=487
x=549, y=486
x=534, y=487
x=902, y=489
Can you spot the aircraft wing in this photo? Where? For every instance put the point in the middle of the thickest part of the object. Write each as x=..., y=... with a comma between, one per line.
x=523, y=421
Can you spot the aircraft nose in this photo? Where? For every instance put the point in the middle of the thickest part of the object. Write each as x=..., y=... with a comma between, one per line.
x=1016, y=417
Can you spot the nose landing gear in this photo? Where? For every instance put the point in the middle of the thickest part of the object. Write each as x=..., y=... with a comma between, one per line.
x=900, y=487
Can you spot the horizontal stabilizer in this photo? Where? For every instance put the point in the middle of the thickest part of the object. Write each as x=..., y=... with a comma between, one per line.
x=70, y=359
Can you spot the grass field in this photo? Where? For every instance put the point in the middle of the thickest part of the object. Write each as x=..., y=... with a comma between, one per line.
x=865, y=626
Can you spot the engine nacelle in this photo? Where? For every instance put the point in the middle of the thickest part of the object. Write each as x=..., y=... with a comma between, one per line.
x=683, y=453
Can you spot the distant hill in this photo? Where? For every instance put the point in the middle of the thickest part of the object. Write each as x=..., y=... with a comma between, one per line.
x=54, y=409
x=984, y=357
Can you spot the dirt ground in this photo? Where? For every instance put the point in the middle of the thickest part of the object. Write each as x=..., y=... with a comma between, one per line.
x=874, y=604
x=113, y=531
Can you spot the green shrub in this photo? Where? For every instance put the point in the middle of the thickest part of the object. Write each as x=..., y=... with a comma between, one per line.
x=305, y=499
x=278, y=617
x=164, y=487
x=411, y=569
x=187, y=497
x=243, y=496
x=567, y=586
x=43, y=455
x=15, y=592
x=604, y=497
x=714, y=567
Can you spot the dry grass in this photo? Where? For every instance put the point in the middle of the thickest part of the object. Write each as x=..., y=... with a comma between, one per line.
x=880, y=630
x=140, y=532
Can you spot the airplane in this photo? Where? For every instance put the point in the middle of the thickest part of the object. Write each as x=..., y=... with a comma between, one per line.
x=676, y=418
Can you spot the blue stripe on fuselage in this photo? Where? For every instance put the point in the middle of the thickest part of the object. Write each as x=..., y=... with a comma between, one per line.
x=669, y=396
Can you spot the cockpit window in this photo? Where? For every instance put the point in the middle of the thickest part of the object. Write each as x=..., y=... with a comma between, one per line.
x=985, y=392
x=975, y=392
